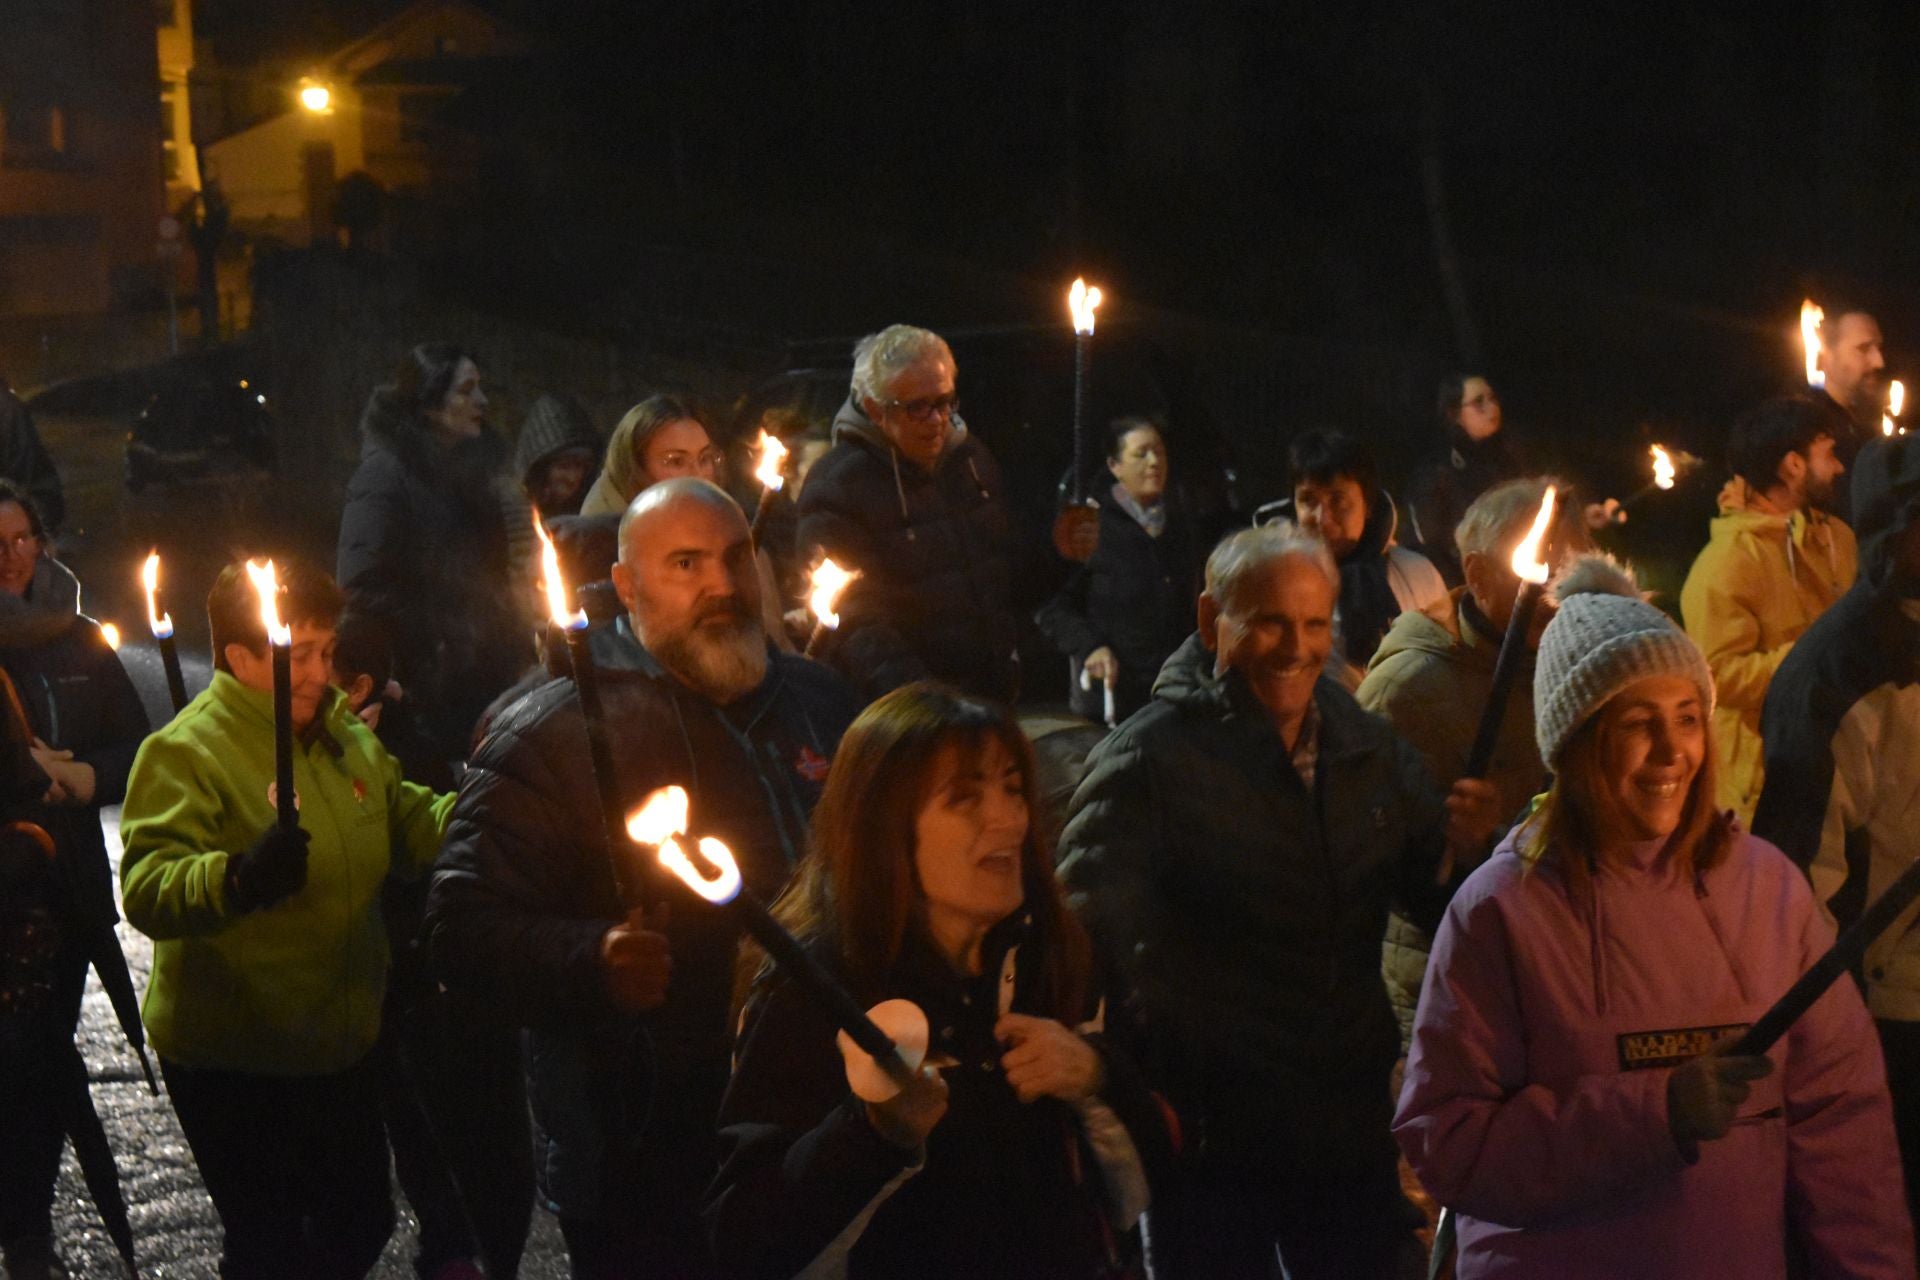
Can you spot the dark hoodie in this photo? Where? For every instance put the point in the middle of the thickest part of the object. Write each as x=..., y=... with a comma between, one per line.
x=1863, y=642
x=424, y=548
x=553, y=424
x=934, y=550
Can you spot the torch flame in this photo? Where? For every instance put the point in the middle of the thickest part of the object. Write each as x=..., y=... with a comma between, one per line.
x=1664, y=472
x=266, y=583
x=1896, y=399
x=1810, y=318
x=830, y=582
x=111, y=634
x=1081, y=301
x=662, y=817
x=773, y=456
x=1526, y=557
x=555, y=585
x=161, y=624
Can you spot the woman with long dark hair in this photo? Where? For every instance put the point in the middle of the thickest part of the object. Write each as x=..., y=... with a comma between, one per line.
x=1571, y=1090
x=1021, y=1148
x=424, y=544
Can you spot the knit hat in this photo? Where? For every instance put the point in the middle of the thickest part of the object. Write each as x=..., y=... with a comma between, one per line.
x=1605, y=637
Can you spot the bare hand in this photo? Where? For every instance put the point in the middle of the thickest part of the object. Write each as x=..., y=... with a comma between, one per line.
x=1102, y=666
x=1473, y=815
x=1045, y=1060
x=637, y=964
x=370, y=714
x=908, y=1116
x=68, y=782
x=1601, y=514
x=1704, y=1095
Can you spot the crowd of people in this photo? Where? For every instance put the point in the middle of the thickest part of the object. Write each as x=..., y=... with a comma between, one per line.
x=1286, y=971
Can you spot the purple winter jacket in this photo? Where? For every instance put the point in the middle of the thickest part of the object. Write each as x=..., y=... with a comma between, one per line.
x=1535, y=1102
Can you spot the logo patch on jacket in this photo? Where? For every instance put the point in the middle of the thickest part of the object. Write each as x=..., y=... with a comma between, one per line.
x=811, y=765
x=1646, y=1050
x=359, y=792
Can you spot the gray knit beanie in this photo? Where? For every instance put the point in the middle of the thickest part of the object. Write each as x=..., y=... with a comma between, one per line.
x=1605, y=637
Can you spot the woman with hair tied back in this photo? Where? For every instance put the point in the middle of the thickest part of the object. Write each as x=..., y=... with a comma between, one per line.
x=1022, y=1146
x=1571, y=1092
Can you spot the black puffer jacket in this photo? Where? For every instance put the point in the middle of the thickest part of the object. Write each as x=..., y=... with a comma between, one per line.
x=1136, y=595
x=522, y=892
x=935, y=554
x=424, y=548
x=1007, y=1188
x=1242, y=914
x=1442, y=488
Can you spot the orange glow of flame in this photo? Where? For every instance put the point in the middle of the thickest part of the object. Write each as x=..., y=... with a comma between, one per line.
x=266, y=583
x=660, y=822
x=1526, y=557
x=830, y=582
x=1896, y=400
x=111, y=634
x=662, y=817
x=773, y=456
x=161, y=624
x=1664, y=472
x=1810, y=318
x=554, y=585
x=1081, y=301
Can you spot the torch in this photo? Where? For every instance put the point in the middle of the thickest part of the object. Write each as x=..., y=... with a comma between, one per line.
x=1081, y=302
x=1532, y=571
x=1810, y=318
x=266, y=584
x=773, y=456
x=1845, y=952
x=161, y=624
x=111, y=634
x=660, y=823
x=830, y=582
x=586, y=679
x=1666, y=473
x=1896, y=400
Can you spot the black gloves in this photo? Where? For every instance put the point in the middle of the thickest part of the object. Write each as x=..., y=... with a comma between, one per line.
x=275, y=868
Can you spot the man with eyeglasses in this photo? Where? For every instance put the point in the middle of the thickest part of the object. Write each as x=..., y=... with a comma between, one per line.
x=914, y=502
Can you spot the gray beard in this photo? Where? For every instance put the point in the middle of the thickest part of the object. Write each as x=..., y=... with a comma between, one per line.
x=720, y=667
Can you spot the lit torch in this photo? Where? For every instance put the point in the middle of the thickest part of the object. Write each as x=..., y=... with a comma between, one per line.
x=572, y=623
x=1810, y=318
x=111, y=634
x=266, y=584
x=1081, y=303
x=1667, y=469
x=1896, y=400
x=661, y=822
x=160, y=622
x=768, y=471
x=830, y=582
x=1531, y=566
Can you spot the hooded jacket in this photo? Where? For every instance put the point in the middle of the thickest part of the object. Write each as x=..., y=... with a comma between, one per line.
x=1754, y=588
x=1136, y=595
x=1241, y=913
x=1842, y=731
x=523, y=891
x=1535, y=1101
x=621, y=476
x=1379, y=580
x=424, y=548
x=935, y=554
x=1431, y=683
x=553, y=423
x=294, y=989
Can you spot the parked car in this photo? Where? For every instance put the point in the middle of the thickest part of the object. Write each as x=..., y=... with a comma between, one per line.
x=200, y=429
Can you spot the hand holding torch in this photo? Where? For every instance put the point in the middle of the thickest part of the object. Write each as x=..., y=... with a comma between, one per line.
x=160, y=622
x=266, y=583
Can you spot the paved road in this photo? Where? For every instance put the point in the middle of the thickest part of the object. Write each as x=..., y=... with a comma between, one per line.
x=108, y=533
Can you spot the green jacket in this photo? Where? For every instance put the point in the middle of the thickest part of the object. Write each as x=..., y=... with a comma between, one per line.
x=294, y=989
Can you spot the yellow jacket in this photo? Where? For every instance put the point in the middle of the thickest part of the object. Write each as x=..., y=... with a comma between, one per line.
x=1759, y=582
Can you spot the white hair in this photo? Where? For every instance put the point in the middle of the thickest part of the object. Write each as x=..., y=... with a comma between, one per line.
x=1241, y=554
x=878, y=357
x=1501, y=515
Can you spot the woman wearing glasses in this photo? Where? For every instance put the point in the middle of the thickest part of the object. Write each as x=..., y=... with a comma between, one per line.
x=1474, y=456
x=660, y=438
x=87, y=722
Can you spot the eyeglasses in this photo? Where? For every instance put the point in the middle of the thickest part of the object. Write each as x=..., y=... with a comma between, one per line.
x=1482, y=402
x=927, y=408
x=27, y=544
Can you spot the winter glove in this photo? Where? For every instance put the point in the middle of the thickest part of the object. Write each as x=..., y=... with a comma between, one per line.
x=275, y=868
x=1704, y=1095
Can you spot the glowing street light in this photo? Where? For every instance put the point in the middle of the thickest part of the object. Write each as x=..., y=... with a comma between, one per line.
x=316, y=97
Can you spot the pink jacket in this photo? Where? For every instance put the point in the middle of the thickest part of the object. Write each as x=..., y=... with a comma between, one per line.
x=1535, y=1101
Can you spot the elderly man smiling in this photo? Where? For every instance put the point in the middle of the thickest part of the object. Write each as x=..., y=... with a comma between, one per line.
x=1234, y=850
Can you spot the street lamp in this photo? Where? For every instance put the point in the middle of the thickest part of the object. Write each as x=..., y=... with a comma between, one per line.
x=316, y=97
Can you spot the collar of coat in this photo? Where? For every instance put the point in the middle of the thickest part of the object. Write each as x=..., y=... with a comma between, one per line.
x=256, y=706
x=1188, y=681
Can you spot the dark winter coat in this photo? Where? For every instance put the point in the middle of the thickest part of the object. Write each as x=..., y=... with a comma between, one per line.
x=1004, y=1188
x=935, y=554
x=523, y=891
x=424, y=548
x=1242, y=914
x=25, y=460
x=1441, y=490
x=1136, y=595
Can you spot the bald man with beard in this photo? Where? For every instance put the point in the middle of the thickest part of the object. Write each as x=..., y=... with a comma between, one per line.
x=628, y=1011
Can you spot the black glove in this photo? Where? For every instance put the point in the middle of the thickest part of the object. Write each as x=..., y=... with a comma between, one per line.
x=275, y=868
